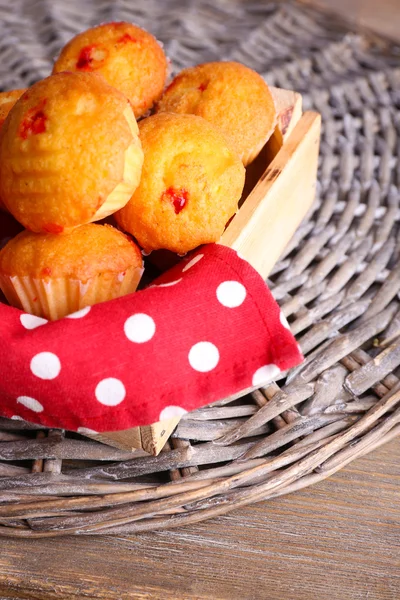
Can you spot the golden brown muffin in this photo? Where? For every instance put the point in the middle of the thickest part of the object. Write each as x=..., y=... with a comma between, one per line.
x=69, y=153
x=129, y=58
x=229, y=95
x=7, y=101
x=55, y=275
x=190, y=186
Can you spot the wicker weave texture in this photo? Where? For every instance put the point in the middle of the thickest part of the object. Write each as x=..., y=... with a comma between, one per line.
x=338, y=285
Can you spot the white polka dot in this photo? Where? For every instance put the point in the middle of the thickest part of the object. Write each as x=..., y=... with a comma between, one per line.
x=169, y=283
x=16, y=418
x=192, y=262
x=284, y=321
x=86, y=431
x=139, y=328
x=46, y=365
x=265, y=374
x=79, y=313
x=231, y=294
x=31, y=322
x=110, y=392
x=30, y=403
x=203, y=357
x=169, y=412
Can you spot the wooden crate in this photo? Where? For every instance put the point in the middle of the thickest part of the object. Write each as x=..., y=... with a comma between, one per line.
x=279, y=190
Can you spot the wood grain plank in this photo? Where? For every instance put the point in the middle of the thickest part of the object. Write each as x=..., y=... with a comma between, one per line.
x=276, y=206
x=339, y=540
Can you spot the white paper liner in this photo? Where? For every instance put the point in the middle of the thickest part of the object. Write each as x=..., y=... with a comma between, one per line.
x=123, y=192
x=55, y=298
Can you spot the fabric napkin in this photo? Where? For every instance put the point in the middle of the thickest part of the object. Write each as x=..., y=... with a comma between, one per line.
x=206, y=329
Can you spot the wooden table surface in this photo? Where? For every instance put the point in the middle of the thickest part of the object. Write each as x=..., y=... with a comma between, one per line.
x=336, y=541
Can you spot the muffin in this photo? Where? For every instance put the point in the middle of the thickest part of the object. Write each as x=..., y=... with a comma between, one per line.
x=129, y=58
x=232, y=97
x=69, y=153
x=190, y=187
x=55, y=275
x=7, y=101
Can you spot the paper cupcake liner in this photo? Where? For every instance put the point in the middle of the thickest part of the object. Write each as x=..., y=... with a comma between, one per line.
x=55, y=298
x=123, y=192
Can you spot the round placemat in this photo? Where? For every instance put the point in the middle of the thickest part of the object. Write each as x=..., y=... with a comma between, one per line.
x=338, y=284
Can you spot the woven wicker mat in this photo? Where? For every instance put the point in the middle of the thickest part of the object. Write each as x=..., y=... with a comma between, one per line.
x=338, y=285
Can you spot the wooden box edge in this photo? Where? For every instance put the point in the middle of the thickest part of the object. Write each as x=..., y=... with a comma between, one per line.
x=293, y=148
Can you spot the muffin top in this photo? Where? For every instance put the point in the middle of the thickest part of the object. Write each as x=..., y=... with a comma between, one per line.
x=65, y=147
x=229, y=95
x=129, y=58
x=7, y=101
x=190, y=187
x=80, y=254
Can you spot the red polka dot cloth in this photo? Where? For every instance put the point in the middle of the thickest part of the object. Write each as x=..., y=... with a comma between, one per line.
x=206, y=329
